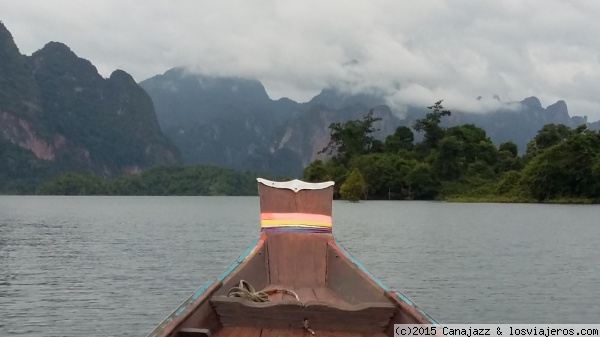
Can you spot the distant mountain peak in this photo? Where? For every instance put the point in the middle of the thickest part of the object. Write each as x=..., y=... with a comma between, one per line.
x=559, y=112
x=123, y=76
x=562, y=105
x=58, y=47
x=8, y=48
x=181, y=96
x=5, y=33
x=231, y=84
x=18, y=90
x=532, y=102
x=335, y=98
x=60, y=58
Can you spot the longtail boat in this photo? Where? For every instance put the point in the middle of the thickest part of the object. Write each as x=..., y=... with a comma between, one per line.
x=296, y=279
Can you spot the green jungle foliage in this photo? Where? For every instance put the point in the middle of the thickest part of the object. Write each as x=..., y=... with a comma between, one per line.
x=20, y=170
x=354, y=187
x=59, y=101
x=460, y=163
x=168, y=180
x=112, y=119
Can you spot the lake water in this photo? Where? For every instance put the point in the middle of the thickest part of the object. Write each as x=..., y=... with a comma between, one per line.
x=117, y=266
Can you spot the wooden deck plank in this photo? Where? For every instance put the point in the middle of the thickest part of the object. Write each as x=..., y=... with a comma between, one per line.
x=238, y=331
x=330, y=333
x=194, y=332
x=282, y=333
x=366, y=317
x=265, y=332
x=306, y=294
x=278, y=296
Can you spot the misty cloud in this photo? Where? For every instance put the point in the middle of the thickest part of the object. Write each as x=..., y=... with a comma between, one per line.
x=413, y=52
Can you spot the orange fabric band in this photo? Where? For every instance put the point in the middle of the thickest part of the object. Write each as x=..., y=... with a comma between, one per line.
x=311, y=218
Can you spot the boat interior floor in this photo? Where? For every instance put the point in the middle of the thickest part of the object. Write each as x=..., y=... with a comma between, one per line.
x=307, y=294
x=264, y=332
x=332, y=293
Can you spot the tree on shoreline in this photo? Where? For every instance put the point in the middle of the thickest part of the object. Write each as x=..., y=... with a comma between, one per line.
x=431, y=125
x=354, y=187
x=352, y=138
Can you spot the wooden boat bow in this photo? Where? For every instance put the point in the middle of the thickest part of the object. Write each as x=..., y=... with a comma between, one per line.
x=295, y=252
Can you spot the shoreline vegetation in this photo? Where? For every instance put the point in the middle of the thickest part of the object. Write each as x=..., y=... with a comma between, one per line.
x=507, y=200
x=560, y=165
x=181, y=180
x=460, y=163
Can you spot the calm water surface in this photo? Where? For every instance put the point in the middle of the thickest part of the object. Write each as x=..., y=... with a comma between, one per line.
x=117, y=266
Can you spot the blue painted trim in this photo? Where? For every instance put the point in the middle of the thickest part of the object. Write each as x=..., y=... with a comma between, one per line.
x=238, y=260
x=405, y=299
x=190, y=299
x=382, y=285
x=181, y=308
x=201, y=290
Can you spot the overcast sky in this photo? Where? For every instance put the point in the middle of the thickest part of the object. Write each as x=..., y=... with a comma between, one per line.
x=415, y=52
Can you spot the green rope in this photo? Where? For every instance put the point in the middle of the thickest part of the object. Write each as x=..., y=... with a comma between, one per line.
x=246, y=291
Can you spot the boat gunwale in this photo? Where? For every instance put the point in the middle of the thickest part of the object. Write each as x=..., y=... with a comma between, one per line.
x=203, y=294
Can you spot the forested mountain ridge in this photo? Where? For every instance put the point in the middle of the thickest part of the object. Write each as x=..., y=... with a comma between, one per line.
x=224, y=121
x=232, y=122
x=57, y=113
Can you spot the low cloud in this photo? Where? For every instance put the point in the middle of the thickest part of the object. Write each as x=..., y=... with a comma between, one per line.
x=414, y=52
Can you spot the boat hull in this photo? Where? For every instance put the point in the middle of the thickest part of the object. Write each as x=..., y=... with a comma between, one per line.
x=345, y=282
x=307, y=281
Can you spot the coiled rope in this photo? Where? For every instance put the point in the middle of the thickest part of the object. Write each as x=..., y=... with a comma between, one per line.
x=246, y=291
